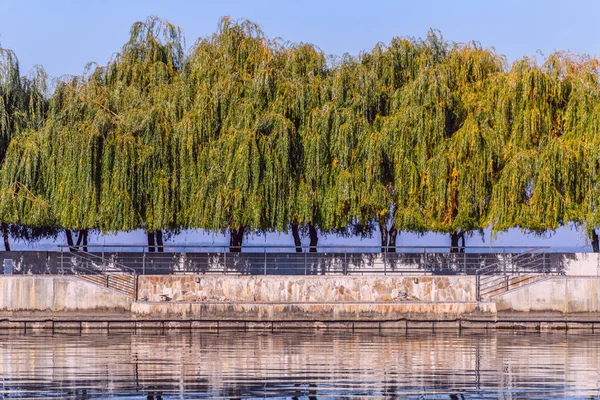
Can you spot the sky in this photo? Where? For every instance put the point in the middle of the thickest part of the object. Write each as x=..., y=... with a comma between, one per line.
x=64, y=36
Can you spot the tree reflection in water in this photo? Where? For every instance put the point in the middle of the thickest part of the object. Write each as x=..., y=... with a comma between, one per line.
x=310, y=364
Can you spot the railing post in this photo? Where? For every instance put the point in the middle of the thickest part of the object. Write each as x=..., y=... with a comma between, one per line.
x=143, y=261
x=265, y=260
x=544, y=263
x=504, y=260
x=62, y=261
x=224, y=259
x=305, y=264
x=424, y=258
x=506, y=282
x=345, y=261
x=385, y=261
x=465, y=263
x=477, y=287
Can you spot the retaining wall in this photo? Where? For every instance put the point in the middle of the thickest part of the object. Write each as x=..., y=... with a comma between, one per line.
x=300, y=289
x=446, y=311
x=58, y=294
x=564, y=295
x=306, y=298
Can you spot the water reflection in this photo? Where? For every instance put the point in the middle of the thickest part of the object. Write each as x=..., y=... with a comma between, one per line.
x=300, y=365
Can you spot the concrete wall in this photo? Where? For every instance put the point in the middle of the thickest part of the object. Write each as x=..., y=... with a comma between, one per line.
x=577, y=264
x=301, y=298
x=554, y=295
x=320, y=288
x=312, y=311
x=56, y=294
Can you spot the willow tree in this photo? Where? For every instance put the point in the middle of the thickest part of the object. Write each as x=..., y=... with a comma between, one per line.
x=530, y=191
x=464, y=164
x=23, y=107
x=391, y=156
x=235, y=137
x=300, y=72
x=316, y=204
x=74, y=132
x=572, y=166
x=138, y=96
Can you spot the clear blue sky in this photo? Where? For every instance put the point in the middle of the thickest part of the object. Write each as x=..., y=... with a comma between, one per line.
x=64, y=35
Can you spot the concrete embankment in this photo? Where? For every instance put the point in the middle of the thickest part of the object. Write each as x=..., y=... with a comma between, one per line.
x=561, y=295
x=209, y=301
x=308, y=298
x=300, y=289
x=58, y=295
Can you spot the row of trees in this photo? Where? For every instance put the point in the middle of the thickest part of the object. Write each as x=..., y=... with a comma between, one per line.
x=243, y=133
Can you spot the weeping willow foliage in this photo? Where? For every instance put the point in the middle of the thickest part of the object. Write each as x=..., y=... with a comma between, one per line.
x=541, y=179
x=139, y=98
x=248, y=133
x=227, y=126
x=23, y=108
x=73, y=133
x=462, y=168
x=247, y=101
x=414, y=124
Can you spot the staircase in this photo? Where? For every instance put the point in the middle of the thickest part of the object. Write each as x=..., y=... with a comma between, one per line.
x=100, y=271
x=512, y=271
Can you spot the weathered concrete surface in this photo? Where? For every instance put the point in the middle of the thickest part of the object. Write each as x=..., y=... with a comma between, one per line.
x=577, y=264
x=312, y=311
x=562, y=295
x=300, y=289
x=311, y=298
x=58, y=294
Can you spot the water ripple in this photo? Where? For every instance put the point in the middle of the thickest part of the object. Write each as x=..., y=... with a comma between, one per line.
x=300, y=365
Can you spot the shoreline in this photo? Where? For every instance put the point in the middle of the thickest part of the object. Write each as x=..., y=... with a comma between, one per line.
x=130, y=322
x=97, y=325
x=241, y=302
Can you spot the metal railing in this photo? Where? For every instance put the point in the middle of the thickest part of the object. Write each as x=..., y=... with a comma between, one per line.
x=285, y=260
x=100, y=271
x=512, y=271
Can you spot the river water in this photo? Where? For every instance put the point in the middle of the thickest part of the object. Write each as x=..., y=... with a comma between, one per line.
x=300, y=365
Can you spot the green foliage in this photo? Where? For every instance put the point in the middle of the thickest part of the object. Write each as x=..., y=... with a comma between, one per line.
x=247, y=131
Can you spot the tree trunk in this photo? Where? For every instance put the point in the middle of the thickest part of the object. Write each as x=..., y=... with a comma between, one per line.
x=454, y=238
x=69, y=236
x=393, y=235
x=159, y=241
x=84, y=233
x=296, y=235
x=595, y=242
x=384, y=234
x=236, y=239
x=150, y=241
x=5, y=236
x=79, y=239
x=314, y=237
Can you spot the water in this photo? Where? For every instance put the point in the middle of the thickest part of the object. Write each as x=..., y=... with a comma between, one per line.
x=300, y=365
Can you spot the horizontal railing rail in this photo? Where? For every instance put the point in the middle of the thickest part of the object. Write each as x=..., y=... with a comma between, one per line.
x=284, y=260
x=98, y=270
x=170, y=248
x=514, y=270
